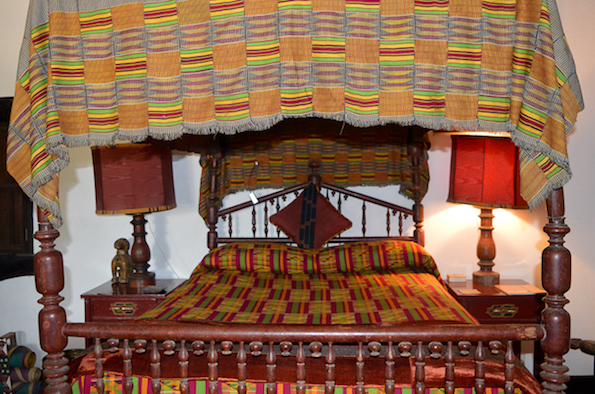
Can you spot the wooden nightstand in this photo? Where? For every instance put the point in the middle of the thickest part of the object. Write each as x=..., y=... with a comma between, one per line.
x=114, y=303
x=493, y=306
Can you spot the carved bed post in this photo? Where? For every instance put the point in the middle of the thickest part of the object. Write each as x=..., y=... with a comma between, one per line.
x=212, y=201
x=556, y=267
x=49, y=281
x=415, y=150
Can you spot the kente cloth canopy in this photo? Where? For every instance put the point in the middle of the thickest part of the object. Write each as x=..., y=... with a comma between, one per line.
x=280, y=157
x=92, y=72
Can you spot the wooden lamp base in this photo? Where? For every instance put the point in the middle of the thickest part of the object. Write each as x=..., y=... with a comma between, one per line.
x=486, y=251
x=140, y=253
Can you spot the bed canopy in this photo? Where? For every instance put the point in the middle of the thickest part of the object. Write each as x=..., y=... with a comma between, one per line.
x=95, y=72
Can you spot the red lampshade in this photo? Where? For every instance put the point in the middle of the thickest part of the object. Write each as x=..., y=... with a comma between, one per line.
x=485, y=172
x=133, y=178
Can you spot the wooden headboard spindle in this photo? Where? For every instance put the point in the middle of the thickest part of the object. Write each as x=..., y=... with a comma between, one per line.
x=314, y=176
x=415, y=150
x=212, y=202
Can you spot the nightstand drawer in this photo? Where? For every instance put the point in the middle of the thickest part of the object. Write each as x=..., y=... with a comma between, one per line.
x=120, y=309
x=110, y=303
x=505, y=309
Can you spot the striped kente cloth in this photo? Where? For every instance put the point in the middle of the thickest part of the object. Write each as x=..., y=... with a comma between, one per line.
x=355, y=283
x=87, y=384
x=375, y=156
x=94, y=72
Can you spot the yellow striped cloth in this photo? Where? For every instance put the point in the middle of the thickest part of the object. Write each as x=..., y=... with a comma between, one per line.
x=91, y=73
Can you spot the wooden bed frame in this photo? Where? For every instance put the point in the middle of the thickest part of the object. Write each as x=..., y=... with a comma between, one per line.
x=274, y=340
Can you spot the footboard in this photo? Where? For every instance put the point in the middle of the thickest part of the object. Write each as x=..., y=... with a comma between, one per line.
x=384, y=347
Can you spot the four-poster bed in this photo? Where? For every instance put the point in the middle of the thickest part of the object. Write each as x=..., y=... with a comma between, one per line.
x=93, y=73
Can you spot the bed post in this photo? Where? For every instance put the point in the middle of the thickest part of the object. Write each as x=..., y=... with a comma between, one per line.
x=49, y=281
x=555, y=268
x=212, y=201
x=415, y=150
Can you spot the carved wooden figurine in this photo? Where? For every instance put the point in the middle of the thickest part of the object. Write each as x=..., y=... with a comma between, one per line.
x=122, y=262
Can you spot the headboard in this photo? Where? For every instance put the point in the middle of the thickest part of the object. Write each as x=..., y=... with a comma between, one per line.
x=262, y=208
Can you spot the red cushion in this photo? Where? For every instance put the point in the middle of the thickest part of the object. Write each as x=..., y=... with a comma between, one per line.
x=310, y=220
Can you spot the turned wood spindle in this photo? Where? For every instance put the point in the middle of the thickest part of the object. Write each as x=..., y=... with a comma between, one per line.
x=155, y=359
x=213, y=371
x=415, y=151
x=98, y=353
x=449, y=365
x=271, y=370
x=389, y=374
x=480, y=368
x=509, y=369
x=420, y=372
x=364, y=219
x=359, y=369
x=212, y=202
x=242, y=372
x=555, y=269
x=49, y=282
x=329, y=386
x=127, y=384
x=183, y=357
x=301, y=369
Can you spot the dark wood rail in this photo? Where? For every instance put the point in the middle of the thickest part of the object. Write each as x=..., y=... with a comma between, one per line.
x=306, y=333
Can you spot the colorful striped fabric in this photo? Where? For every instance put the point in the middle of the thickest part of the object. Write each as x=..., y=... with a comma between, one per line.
x=348, y=257
x=91, y=73
x=87, y=384
x=364, y=283
x=375, y=156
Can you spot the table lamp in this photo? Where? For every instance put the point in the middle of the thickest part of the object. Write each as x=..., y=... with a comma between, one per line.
x=134, y=179
x=484, y=172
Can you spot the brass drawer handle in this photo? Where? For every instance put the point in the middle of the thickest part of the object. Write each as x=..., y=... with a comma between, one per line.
x=123, y=308
x=504, y=311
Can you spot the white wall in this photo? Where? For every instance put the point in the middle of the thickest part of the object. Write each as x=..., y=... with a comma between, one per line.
x=177, y=238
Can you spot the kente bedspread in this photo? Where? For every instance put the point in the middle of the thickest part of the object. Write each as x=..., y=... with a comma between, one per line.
x=92, y=72
x=374, y=282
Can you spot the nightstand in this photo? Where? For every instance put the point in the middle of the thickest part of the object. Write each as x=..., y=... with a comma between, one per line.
x=115, y=303
x=493, y=306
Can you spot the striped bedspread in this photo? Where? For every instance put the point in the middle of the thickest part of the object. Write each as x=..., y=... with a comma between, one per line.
x=358, y=283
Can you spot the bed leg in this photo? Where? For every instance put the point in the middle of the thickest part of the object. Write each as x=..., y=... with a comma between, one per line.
x=556, y=265
x=49, y=281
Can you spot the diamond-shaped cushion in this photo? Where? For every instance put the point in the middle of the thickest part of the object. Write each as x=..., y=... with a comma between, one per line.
x=310, y=220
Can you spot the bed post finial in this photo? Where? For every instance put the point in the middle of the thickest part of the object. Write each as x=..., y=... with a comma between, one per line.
x=556, y=265
x=314, y=176
x=415, y=151
x=49, y=281
x=212, y=202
